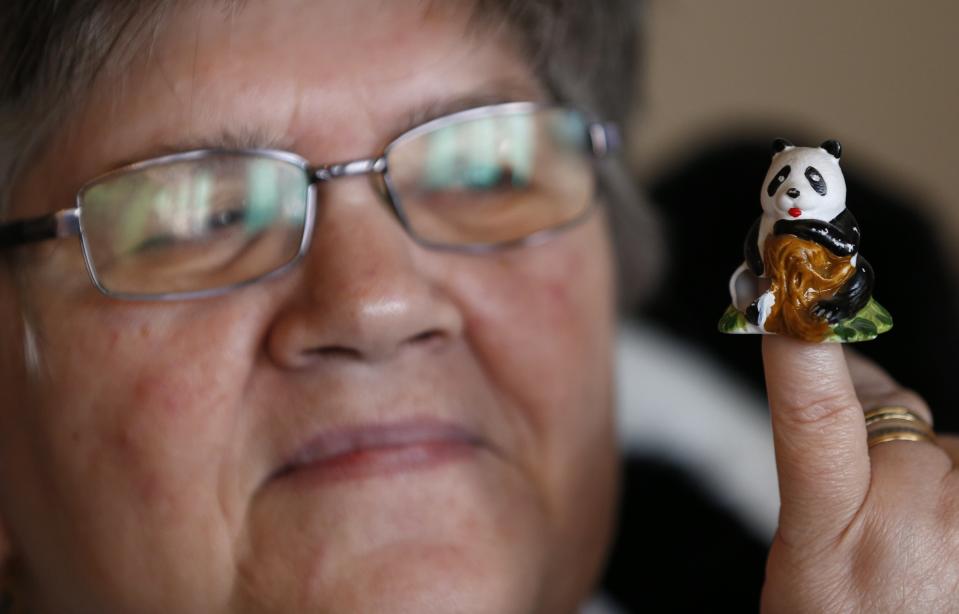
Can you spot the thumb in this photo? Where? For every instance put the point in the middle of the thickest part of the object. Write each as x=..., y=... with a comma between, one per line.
x=820, y=437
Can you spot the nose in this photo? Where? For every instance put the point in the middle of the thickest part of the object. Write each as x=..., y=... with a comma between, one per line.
x=792, y=193
x=364, y=292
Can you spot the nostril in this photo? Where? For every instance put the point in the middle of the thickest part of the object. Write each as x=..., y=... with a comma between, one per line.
x=336, y=352
x=792, y=193
x=427, y=337
x=430, y=341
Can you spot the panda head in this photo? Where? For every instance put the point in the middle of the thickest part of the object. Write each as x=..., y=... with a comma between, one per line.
x=804, y=182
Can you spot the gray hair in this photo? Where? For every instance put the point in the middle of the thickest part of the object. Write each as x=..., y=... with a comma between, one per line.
x=584, y=51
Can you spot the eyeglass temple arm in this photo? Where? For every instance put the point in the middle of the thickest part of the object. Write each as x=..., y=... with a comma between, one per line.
x=63, y=223
x=605, y=138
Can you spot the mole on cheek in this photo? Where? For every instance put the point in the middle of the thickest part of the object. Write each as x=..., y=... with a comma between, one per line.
x=563, y=281
x=558, y=291
x=153, y=393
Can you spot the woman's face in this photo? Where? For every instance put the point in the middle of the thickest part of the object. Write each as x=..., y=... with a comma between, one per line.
x=147, y=458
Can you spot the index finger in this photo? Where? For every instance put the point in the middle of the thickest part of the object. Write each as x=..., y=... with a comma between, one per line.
x=819, y=435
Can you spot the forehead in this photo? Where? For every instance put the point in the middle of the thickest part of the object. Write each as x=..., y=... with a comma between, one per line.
x=308, y=70
x=800, y=158
x=327, y=79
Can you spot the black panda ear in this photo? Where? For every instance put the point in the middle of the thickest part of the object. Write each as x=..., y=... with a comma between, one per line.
x=780, y=145
x=833, y=147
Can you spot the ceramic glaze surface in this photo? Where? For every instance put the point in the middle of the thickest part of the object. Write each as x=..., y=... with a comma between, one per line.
x=802, y=273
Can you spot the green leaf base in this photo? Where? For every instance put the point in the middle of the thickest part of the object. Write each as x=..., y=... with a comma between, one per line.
x=871, y=321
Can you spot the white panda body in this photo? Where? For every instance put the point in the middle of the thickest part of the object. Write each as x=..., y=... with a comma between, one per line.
x=802, y=183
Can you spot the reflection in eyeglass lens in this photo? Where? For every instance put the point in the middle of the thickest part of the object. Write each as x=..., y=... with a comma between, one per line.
x=201, y=222
x=494, y=179
x=480, y=154
x=194, y=224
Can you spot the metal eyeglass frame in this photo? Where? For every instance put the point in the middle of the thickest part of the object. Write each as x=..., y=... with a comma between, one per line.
x=603, y=139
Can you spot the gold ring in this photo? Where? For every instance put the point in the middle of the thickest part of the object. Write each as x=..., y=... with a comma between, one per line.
x=896, y=423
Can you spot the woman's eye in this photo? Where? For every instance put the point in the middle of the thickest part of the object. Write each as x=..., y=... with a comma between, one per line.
x=485, y=178
x=501, y=178
x=217, y=221
x=155, y=242
x=225, y=218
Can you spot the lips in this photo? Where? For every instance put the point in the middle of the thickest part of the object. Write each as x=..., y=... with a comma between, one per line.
x=795, y=212
x=379, y=449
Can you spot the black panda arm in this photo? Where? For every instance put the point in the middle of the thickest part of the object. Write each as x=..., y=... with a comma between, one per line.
x=829, y=235
x=851, y=298
x=847, y=223
x=754, y=259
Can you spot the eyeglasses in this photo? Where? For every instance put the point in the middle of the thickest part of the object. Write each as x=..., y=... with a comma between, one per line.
x=205, y=222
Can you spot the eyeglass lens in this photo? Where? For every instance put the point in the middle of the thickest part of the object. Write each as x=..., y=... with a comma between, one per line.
x=495, y=179
x=193, y=225
x=212, y=221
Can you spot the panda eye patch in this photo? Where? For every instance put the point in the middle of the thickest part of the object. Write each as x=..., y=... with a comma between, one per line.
x=816, y=181
x=778, y=180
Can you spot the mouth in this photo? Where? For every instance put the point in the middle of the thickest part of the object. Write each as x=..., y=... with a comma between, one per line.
x=379, y=449
x=794, y=212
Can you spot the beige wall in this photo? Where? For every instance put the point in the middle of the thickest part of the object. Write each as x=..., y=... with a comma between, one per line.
x=879, y=75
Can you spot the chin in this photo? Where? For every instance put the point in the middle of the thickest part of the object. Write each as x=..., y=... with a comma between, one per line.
x=436, y=578
x=468, y=536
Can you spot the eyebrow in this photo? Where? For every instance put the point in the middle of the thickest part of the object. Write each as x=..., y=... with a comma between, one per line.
x=247, y=136
x=500, y=93
x=229, y=137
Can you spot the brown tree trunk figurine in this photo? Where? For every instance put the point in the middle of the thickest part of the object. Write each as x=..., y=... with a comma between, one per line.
x=801, y=273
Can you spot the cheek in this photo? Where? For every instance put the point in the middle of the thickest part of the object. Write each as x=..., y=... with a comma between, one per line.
x=156, y=384
x=541, y=320
x=132, y=419
x=130, y=360
x=549, y=309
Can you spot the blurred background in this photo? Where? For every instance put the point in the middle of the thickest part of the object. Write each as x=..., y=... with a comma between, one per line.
x=879, y=75
x=720, y=80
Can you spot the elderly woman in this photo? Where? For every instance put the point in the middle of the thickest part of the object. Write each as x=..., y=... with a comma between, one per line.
x=329, y=328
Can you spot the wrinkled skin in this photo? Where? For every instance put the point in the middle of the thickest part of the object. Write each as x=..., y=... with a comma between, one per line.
x=860, y=530
x=138, y=456
x=138, y=459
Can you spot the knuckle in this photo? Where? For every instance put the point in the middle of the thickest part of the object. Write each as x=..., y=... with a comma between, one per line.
x=821, y=410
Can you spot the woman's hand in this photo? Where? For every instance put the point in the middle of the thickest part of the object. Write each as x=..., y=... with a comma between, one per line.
x=860, y=530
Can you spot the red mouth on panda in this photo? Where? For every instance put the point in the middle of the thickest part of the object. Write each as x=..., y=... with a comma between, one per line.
x=795, y=212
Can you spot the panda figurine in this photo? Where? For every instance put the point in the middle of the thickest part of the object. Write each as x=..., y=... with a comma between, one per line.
x=803, y=275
